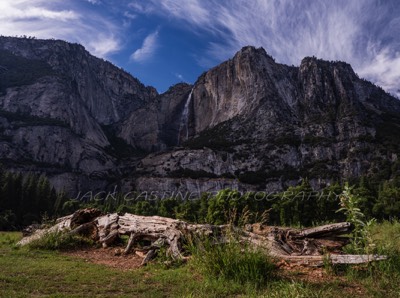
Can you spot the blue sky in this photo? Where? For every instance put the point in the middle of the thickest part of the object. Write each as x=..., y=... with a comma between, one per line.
x=163, y=42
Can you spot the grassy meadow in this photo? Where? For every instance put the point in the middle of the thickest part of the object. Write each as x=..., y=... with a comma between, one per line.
x=28, y=272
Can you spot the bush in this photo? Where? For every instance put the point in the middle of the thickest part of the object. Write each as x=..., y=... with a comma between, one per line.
x=361, y=241
x=238, y=262
x=60, y=240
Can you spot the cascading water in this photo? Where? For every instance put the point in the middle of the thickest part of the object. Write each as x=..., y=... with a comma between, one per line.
x=183, y=134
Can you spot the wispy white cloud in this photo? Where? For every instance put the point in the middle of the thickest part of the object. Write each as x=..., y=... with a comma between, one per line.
x=364, y=33
x=194, y=10
x=142, y=7
x=103, y=45
x=94, y=1
x=148, y=48
x=62, y=20
x=289, y=30
x=130, y=15
x=384, y=70
x=18, y=10
x=179, y=76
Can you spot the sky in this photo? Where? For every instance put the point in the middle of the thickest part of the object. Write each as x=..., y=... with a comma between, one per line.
x=164, y=42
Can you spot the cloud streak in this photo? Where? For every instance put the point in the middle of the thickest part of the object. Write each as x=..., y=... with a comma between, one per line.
x=19, y=10
x=364, y=33
x=147, y=49
x=62, y=20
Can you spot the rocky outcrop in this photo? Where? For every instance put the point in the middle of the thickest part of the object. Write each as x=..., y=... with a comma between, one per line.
x=239, y=87
x=109, y=93
x=55, y=102
x=265, y=124
x=248, y=123
x=155, y=127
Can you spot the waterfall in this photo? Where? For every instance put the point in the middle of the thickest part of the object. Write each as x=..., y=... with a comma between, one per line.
x=184, y=123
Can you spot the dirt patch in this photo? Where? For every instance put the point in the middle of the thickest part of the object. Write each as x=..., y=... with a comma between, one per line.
x=111, y=257
x=318, y=275
x=114, y=258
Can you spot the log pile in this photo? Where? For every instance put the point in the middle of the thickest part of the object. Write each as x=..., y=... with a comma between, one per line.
x=311, y=247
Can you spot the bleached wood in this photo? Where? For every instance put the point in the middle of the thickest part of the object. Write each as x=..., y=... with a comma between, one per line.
x=305, y=246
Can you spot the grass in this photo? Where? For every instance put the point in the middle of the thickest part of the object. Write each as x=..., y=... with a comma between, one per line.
x=383, y=278
x=387, y=235
x=39, y=273
x=42, y=273
x=59, y=240
x=379, y=279
x=232, y=262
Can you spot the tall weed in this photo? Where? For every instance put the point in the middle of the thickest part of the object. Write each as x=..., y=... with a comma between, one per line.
x=232, y=260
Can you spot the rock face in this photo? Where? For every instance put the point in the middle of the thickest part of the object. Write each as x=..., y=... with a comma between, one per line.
x=155, y=126
x=249, y=123
x=65, y=111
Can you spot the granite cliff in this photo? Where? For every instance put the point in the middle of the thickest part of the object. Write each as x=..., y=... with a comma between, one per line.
x=248, y=123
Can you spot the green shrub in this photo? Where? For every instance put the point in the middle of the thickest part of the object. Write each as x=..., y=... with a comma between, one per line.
x=238, y=262
x=60, y=240
x=361, y=241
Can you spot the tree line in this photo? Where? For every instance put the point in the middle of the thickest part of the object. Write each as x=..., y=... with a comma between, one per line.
x=26, y=199
x=30, y=198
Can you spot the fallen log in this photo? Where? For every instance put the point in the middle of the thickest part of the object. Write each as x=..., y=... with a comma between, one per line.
x=312, y=247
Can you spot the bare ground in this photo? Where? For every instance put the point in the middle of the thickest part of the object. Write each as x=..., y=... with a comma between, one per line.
x=114, y=258
x=111, y=257
x=318, y=275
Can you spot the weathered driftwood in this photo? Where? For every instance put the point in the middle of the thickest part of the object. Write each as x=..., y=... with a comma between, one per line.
x=311, y=247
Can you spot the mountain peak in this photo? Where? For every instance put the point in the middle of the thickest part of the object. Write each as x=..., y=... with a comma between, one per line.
x=248, y=119
x=253, y=51
x=308, y=62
